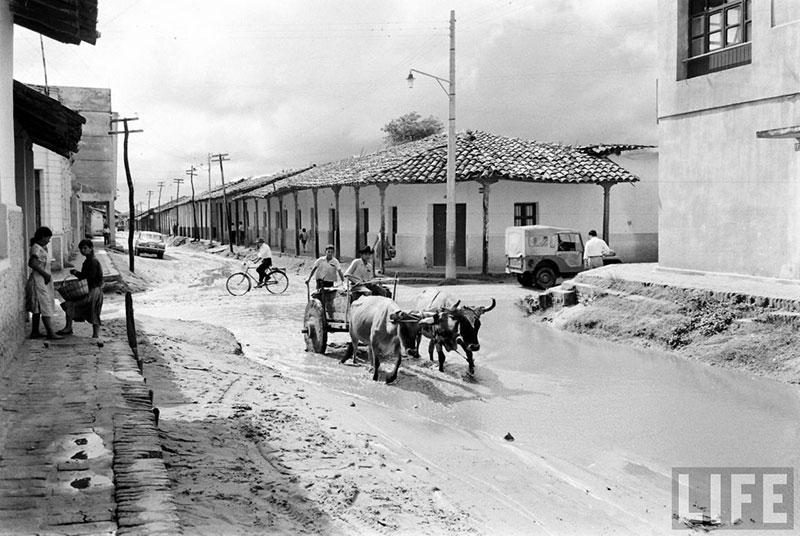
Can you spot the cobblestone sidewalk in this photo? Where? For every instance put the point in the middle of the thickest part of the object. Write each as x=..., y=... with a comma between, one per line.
x=79, y=446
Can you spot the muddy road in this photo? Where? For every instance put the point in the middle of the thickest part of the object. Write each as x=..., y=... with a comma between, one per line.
x=554, y=434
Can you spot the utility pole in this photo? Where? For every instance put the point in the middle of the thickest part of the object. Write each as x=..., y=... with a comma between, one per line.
x=160, y=187
x=191, y=172
x=178, y=183
x=223, y=157
x=131, y=221
x=149, y=195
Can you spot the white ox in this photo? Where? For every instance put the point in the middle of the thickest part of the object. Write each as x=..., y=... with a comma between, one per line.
x=379, y=323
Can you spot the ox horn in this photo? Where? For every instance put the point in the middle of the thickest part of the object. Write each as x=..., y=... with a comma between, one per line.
x=455, y=306
x=487, y=309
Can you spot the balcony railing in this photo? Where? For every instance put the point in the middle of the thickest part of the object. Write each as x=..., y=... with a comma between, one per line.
x=719, y=60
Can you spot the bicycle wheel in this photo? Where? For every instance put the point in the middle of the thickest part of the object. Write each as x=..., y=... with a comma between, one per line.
x=238, y=284
x=277, y=282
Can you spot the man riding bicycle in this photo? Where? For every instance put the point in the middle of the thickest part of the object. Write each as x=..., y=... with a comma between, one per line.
x=265, y=254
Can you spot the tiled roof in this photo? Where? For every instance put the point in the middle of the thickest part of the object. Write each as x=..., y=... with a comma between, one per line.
x=483, y=155
x=605, y=149
x=353, y=170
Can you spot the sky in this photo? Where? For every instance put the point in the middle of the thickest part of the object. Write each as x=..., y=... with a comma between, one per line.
x=281, y=85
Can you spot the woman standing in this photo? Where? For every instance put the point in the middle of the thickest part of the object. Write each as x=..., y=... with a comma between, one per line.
x=87, y=308
x=39, y=293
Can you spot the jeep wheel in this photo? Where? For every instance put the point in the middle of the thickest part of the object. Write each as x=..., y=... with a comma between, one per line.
x=525, y=279
x=545, y=277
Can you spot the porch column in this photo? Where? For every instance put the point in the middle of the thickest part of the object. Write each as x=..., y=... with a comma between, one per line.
x=296, y=224
x=315, y=223
x=281, y=224
x=357, y=192
x=606, y=207
x=485, y=190
x=382, y=240
x=337, y=239
x=269, y=218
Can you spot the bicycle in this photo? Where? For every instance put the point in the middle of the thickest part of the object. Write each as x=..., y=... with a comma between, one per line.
x=240, y=283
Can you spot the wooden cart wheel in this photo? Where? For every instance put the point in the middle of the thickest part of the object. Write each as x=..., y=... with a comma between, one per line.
x=315, y=327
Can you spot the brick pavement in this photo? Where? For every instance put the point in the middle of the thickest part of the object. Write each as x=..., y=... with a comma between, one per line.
x=79, y=448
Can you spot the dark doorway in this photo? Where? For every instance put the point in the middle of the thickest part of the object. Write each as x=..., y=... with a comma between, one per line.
x=440, y=237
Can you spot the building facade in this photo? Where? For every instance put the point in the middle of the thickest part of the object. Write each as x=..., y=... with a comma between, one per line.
x=728, y=92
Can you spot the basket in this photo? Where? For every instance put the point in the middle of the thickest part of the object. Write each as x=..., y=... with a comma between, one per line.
x=74, y=290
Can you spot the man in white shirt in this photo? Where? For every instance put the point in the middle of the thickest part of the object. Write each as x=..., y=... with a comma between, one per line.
x=326, y=268
x=594, y=251
x=360, y=271
x=265, y=254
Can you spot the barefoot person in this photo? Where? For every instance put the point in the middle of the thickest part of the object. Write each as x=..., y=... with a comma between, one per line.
x=87, y=308
x=39, y=293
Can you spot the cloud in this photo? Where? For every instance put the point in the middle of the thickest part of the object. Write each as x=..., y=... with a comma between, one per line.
x=281, y=85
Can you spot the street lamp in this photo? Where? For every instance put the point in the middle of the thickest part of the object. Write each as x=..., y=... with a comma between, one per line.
x=450, y=220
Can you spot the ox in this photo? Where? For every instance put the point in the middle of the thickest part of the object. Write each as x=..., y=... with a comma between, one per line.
x=379, y=323
x=468, y=320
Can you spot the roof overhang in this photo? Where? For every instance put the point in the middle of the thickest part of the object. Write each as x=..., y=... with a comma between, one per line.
x=780, y=133
x=68, y=21
x=49, y=123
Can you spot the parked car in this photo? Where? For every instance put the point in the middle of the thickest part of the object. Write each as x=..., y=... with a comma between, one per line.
x=540, y=254
x=149, y=242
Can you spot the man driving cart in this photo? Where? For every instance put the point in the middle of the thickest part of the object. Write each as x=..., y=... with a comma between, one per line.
x=361, y=275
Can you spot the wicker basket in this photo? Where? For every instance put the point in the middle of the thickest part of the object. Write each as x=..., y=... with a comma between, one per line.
x=74, y=290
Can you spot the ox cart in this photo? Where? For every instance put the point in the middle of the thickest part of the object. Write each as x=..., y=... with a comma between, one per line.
x=328, y=309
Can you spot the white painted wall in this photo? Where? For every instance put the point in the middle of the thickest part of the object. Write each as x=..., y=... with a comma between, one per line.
x=728, y=199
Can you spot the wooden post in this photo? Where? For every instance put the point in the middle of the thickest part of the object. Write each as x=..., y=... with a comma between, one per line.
x=315, y=223
x=130, y=327
x=357, y=192
x=485, y=190
x=281, y=224
x=336, y=237
x=269, y=218
x=296, y=224
x=606, y=207
x=382, y=240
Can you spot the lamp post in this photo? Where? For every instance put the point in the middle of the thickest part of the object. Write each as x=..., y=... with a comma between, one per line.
x=450, y=220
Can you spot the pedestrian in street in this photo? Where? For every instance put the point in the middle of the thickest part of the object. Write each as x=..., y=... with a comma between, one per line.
x=89, y=308
x=327, y=268
x=106, y=234
x=265, y=256
x=39, y=292
x=360, y=274
x=241, y=233
x=303, y=238
x=594, y=251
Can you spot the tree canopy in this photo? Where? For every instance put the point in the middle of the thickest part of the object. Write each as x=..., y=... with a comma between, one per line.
x=410, y=127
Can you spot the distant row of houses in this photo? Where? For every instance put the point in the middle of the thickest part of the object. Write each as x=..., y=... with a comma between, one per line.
x=399, y=192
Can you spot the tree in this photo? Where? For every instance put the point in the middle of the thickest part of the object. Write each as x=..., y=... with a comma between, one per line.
x=410, y=127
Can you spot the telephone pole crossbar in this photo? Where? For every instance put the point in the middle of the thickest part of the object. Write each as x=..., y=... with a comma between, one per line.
x=131, y=209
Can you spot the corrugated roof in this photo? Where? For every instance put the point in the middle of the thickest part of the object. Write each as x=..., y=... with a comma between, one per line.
x=49, y=123
x=68, y=21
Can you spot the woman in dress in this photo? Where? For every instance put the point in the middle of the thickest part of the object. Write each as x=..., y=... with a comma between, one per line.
x=86, y=309
x=39, y=293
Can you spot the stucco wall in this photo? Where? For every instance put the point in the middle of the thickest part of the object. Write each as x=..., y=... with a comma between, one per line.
x=728, y=199
x=12, y=282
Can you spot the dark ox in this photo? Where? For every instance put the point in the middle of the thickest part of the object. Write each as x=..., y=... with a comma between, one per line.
x=467, y=320
x=379, y=323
